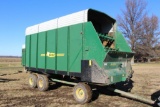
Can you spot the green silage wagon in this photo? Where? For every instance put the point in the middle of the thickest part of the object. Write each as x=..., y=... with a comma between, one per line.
x=85, y=47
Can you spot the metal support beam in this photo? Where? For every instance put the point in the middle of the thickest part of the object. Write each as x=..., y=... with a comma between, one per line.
x=129, y=95
x=65, y=82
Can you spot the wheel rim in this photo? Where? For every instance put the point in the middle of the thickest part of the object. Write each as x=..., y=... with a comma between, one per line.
x=80, y=93
x=30, y=81
x=40, y=82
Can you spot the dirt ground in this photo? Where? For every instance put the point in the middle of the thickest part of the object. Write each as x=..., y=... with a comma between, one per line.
x=15, y=92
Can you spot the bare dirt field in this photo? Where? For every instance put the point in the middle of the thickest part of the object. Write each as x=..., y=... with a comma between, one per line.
x=15, y=92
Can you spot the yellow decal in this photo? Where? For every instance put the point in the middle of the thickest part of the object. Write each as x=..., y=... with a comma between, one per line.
x=113, y=64
x=42, y=54
x=61, y=54
x=90, y=62
x=48, y=54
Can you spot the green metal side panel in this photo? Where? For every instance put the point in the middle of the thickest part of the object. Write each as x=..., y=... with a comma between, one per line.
x=41, y=49
x=121, y=43
x=27, y=51
x=33, y=51
x=51, y=49
x=62, y=49
x=23, y=57
x=93, y=48
x=58, y=49
x=75, y=48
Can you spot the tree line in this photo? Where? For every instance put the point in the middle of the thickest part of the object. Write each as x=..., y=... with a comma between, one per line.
x=141, y=30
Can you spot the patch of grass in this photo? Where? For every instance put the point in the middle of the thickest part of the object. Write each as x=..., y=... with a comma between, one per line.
x=10, y=62
x=10, y=59
x=10, y=65
x=147, y=64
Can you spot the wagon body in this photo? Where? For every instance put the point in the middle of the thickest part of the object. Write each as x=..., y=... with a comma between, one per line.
x=84, y=45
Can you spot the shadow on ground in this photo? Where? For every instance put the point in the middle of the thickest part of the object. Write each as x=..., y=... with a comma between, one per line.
x=123, y=86
x=7, y=80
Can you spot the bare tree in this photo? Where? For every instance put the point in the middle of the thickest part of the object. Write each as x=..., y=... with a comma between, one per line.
x=147, y=44
x=130, y=21
x=140, y=30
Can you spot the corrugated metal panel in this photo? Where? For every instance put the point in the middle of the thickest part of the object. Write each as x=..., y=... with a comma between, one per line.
x=71, y=19
x=52, y=24
x=75, y=18
x=32, y=30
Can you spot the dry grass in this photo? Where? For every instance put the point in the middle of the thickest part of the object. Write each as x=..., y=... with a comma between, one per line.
x=10, y=62
x=10, y=59
x=10, y=65
x=14, y=90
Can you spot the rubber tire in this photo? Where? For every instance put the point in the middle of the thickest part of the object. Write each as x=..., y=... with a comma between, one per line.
x=45, y=83
x=34, y=80
x=87, y=93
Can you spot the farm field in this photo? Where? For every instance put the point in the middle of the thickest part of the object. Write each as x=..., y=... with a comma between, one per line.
x=15, y=92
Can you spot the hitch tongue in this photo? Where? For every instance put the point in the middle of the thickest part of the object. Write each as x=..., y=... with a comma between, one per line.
x=136, y=97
